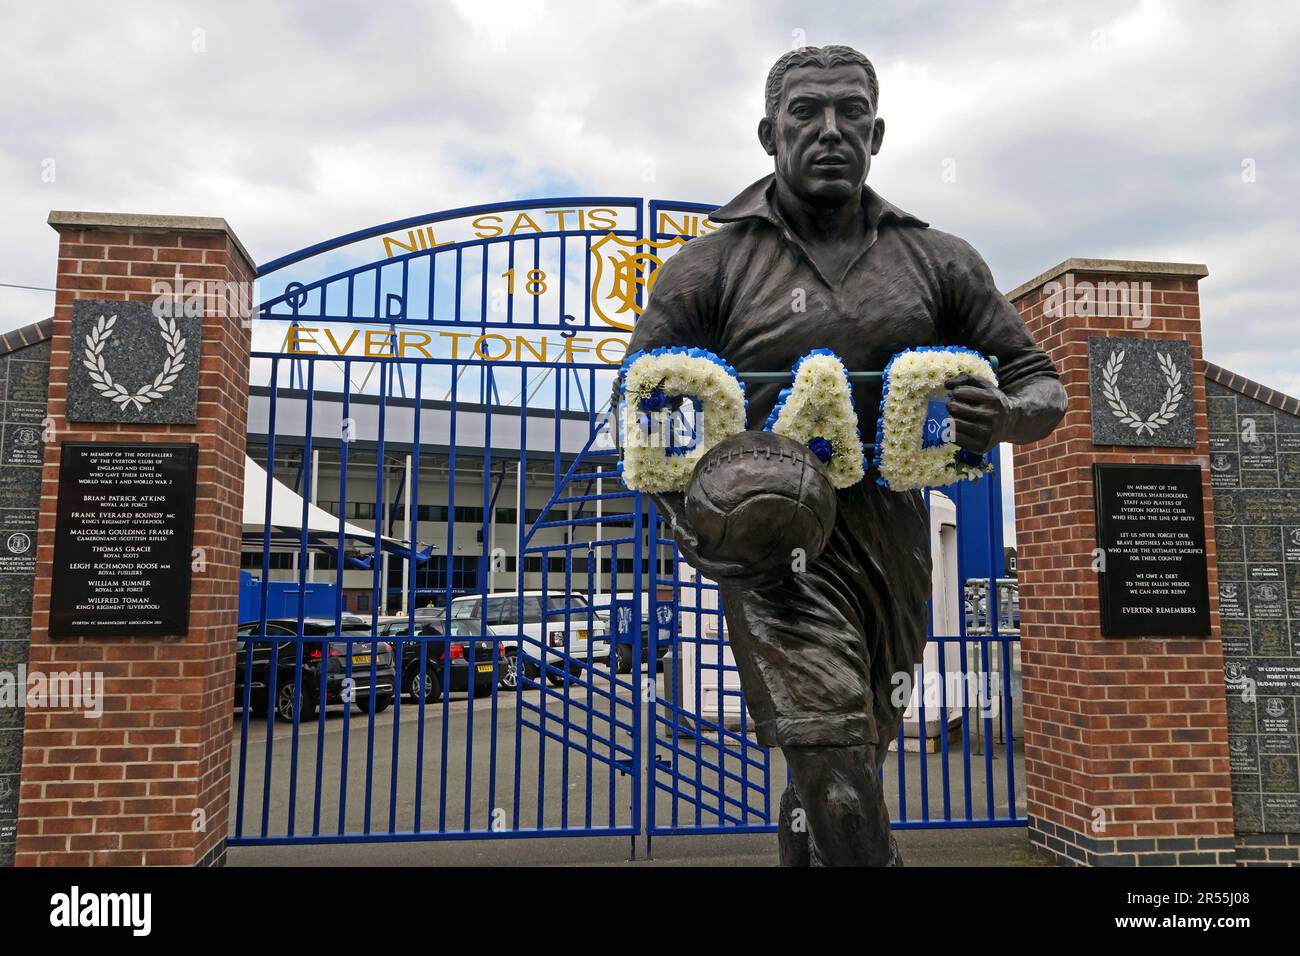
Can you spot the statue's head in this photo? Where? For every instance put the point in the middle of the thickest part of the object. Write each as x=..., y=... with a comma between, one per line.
x=820, y=124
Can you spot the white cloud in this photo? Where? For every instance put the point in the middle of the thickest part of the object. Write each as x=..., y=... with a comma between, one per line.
x=1110, y=128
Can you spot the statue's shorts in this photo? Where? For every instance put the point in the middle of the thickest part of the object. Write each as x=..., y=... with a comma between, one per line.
x=821, y=652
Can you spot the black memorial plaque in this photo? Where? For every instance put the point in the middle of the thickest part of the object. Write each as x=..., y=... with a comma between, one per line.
x=122, y=540
x=1151, y=529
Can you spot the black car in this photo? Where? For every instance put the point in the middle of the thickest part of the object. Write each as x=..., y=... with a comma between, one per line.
x=449, y=659
x=349, y=637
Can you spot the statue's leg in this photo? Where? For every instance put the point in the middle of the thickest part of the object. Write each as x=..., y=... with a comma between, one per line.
x=895, y=857
x=848, y=820
x=817, y=655
x=890, y=725
x=792, y=831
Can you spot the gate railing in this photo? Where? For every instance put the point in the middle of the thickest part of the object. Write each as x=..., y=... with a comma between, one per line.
x=559, y=753
x=614, y=711
x=956, y=763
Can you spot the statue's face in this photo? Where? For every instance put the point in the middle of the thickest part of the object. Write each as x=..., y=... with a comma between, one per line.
x=824, y=133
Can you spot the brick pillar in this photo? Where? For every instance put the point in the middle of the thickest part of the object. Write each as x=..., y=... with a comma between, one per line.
x=1126, y=744
x=126, y=788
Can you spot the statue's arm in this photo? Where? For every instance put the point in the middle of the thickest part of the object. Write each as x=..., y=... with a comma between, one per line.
x=682, y=310
x=1029, y=400
x=1037, y=407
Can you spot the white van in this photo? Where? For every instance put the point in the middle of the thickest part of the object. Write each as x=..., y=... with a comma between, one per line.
x=586, y=627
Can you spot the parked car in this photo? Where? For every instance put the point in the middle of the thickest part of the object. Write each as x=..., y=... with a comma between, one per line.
x=430, y=612
x=586, y=634
x=449, y=661
x=350, y=636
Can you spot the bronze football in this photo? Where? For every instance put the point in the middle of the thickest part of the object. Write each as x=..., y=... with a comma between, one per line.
x=755, y=498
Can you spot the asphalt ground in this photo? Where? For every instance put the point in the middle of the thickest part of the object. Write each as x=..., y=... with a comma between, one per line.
x=491, y=769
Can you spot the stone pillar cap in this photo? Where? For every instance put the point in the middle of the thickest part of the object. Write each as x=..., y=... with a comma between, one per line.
x=1133, y=267
x=62, y=220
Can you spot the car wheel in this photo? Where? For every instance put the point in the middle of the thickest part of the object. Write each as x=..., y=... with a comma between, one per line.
x=285, y=697
x=510, y=671
x=623, y=657
x=555, y=674
x=429, y=690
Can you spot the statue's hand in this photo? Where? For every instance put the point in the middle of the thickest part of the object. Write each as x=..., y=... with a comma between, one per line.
x=980, y=413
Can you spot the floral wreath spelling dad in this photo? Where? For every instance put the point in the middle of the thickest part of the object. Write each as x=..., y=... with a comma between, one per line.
x=915, y=446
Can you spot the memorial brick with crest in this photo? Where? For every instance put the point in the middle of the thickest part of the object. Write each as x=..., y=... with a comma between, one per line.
x=138, y=536
x=1126, y=721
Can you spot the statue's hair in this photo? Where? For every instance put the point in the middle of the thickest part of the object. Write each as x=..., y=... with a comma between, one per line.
x=823, y=56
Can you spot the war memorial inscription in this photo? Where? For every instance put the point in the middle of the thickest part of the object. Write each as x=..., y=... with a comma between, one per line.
x=1151, y=536
x=122, y=540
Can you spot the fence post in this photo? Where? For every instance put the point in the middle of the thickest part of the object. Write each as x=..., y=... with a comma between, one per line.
x=147, y=781
x=1126, y=745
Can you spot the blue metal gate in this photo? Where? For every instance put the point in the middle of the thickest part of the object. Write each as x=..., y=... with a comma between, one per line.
x=515, y=648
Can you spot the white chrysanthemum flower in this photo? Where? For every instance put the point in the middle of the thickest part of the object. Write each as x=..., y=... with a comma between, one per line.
x=912, y=378
x=818, y=412
x=652, y=462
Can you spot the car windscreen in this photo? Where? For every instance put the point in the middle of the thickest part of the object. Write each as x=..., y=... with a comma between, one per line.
x=558, y=602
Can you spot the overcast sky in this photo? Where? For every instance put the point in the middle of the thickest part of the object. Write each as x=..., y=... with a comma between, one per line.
x=1149, y=130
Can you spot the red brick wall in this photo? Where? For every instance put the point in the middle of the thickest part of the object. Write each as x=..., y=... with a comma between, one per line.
x=1132, y=728
x=123, y=789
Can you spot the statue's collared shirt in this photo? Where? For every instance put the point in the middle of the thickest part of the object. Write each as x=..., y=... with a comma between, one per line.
x=754, y=202
x=751, y=293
